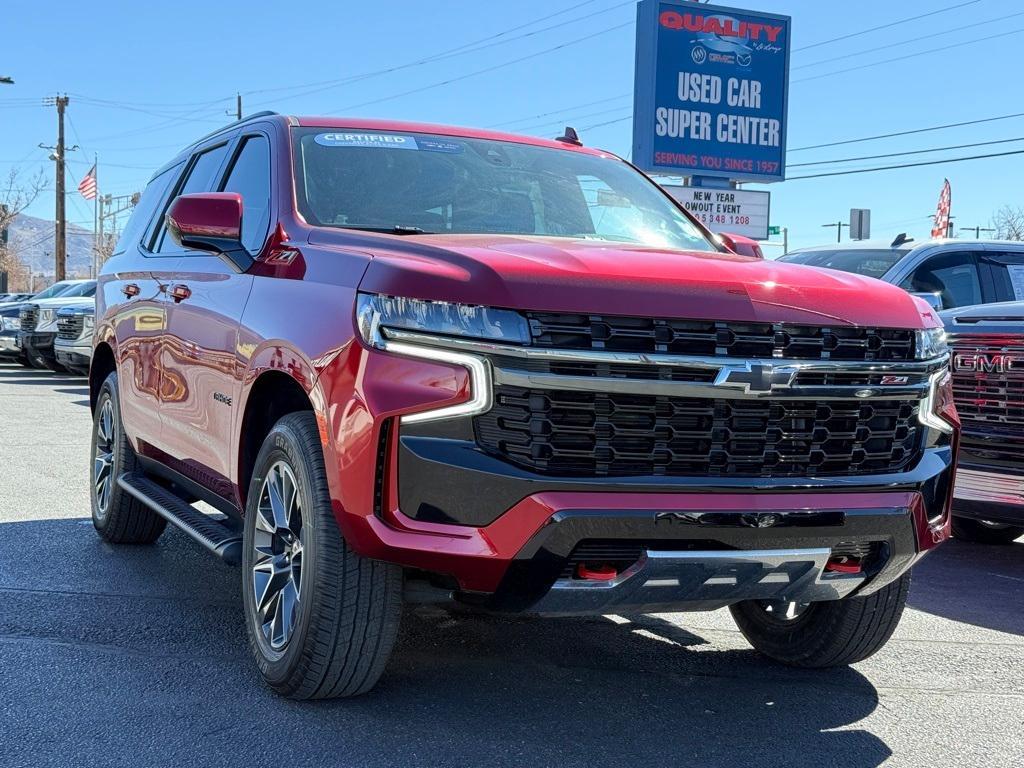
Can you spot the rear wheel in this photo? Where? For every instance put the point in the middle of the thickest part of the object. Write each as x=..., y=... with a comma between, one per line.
x=826, y=634
x=985, y=532
x=321, y=620
x=118, y=516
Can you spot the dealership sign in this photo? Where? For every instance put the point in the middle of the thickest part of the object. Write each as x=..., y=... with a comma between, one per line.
x=735, y=211
x=711, y=91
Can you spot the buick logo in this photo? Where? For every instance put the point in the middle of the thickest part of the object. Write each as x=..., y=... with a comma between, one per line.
x=755, y=378
x=980, y=363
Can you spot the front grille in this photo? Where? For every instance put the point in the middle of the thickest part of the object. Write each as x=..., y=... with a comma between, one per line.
x=69, y=327
x=601, y=434
x=719, y=339
x=29, y=316
x=990, y=403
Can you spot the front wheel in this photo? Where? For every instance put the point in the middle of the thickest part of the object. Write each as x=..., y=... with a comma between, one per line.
x=984, y=532
x=826, y=634
x=321, y=620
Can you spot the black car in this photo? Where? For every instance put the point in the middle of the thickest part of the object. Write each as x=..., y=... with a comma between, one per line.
x=988, y=386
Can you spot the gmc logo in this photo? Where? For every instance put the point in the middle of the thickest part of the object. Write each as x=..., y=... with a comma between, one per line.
x=986, y=363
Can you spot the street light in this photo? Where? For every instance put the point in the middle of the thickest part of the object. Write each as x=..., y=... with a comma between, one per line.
x=7, y=80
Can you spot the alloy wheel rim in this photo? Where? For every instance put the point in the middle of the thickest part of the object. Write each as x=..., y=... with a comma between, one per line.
x=278, y=546
x=103, y=458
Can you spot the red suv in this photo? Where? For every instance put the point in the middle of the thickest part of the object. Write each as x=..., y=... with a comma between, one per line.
x=404, y=362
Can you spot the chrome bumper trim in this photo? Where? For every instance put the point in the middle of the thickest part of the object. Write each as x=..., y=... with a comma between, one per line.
x=681, y=581
x=972, y=485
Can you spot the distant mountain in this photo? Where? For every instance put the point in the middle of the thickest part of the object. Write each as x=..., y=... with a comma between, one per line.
x=31, y=239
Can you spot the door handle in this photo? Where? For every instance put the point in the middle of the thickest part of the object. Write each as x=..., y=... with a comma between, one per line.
x=180, y=292
x=131, y=290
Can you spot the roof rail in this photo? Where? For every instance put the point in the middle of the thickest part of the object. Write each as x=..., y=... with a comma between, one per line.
x=247, y=118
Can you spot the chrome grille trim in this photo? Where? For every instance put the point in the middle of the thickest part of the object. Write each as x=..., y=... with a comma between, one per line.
x=973, y=485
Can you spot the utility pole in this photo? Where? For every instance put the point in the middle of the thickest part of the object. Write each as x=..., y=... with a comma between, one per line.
x=839, y=229
x=976, y=230
x=238, y=105
x=60, y=236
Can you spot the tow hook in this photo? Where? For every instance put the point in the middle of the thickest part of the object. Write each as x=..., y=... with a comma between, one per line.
x=596, y=572
x=843, y=564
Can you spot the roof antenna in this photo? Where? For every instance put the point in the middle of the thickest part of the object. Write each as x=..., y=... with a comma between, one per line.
x=569, y=136
x=901, y=239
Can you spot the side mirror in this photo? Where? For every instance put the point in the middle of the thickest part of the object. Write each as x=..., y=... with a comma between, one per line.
x=741, y=245
x=211, y=222
x=934, y=300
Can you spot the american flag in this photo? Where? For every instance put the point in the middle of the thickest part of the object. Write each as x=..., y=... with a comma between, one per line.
x=88, y=185
x=941, y=228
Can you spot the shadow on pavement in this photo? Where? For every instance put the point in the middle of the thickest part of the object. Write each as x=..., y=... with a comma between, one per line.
x=162, y=626
x=978, y=584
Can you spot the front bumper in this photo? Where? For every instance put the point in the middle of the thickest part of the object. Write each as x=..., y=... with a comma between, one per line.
x=993, y=496
x=38, y=345
x=9, y=344
x=426, y=497
x=73, y=355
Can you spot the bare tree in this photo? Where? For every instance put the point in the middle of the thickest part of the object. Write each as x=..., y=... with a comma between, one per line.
x=1008, y=222
x=16, y=194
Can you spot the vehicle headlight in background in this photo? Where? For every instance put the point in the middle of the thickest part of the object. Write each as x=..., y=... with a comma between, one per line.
x=930, y=343
x=88, y=321
x=10, y=323
x=46, y=317
x=374, y=311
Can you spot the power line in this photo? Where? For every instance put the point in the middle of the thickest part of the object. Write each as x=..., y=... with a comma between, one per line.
x=908, y=56
x=916, y=40
x=559, y=111
x=492, y=68
x=908, y=152
x=907, y=165
x=885, y=26
x=471, y=47
x=907, y=133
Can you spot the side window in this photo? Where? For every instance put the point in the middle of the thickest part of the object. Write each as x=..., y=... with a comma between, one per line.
x=953, y=276
x=148, y=203
x=1007, y=271
x=250, y=177
x=201, y=177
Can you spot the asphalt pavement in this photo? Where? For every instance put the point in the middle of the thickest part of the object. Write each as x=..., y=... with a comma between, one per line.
x=136, y=656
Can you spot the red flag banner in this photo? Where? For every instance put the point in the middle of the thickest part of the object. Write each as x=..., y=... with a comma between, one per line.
x=941, y=228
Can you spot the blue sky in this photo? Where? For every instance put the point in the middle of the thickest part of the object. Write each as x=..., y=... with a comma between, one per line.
x=147, y=78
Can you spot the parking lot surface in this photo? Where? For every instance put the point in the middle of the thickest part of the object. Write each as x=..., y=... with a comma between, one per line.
x=137, y=656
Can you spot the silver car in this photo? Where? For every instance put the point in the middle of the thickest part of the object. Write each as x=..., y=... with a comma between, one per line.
x=946, y=273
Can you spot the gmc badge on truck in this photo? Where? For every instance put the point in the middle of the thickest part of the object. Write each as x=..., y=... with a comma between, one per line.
x=980, y=363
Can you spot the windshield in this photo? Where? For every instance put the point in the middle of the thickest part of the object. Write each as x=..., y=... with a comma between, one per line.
x=870, y=263
x=85, y=289
x=57, y=289
x=418, y=183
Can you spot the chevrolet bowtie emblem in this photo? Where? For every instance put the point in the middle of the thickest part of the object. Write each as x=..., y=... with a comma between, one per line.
x=756, y=377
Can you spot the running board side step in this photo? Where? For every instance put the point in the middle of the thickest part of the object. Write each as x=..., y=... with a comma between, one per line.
x=223, y=541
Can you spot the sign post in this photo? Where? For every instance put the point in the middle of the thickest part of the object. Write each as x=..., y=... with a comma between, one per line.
x=711, y=93
x=860, y=223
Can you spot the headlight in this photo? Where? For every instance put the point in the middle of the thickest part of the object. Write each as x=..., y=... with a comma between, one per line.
x=930, y=343
x=442, y=318
x=10, y=323
x=88, y=321
x=46, y=317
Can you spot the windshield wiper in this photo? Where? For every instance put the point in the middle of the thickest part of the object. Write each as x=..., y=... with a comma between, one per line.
x=398, y=229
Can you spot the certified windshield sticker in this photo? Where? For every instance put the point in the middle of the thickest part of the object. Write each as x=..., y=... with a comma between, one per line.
x=386, y=140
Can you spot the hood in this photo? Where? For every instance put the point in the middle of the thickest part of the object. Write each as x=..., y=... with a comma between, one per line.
x=1004, y=318
x=598, y=277
x=58, y=303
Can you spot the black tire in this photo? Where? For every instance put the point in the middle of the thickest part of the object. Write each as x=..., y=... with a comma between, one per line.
x=826, y=634
x=23, y=359
x=966, y=529
x=348, y=607
x=119, y=517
